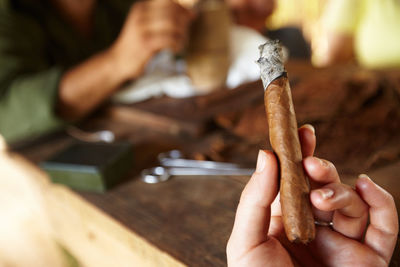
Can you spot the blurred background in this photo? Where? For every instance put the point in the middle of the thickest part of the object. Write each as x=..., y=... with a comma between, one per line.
x=147, y=82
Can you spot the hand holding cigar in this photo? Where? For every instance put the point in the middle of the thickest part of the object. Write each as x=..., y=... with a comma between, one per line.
x=297, y=214
x=343, y=233
x=258, y=237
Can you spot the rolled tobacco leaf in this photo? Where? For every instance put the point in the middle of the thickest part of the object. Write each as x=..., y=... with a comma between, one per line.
x=297, y=214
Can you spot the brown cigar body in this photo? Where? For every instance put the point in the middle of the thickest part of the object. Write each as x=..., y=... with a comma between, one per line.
x=297, y=214
x=298, y=219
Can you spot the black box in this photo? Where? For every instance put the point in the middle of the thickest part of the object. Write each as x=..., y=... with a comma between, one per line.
x=90, y=166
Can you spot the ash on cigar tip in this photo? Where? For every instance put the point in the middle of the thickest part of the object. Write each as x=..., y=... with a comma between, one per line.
x=271, y=61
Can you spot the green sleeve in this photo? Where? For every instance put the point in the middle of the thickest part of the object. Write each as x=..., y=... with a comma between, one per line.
x=28, y=81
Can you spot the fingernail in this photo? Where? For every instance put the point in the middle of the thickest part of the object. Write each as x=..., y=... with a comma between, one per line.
x=310, y=127
x=325, y=193
x=363, y=175
x=363, y=181
x=261, y=160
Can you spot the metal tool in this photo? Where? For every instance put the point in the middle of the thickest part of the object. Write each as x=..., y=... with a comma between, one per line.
x=97, y=136
x=174, y=158
x=173, y=165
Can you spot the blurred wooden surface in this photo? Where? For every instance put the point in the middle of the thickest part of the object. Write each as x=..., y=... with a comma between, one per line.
x=50, y=225
x=357, y=118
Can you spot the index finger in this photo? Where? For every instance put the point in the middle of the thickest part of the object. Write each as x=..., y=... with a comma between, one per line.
x=320, y=171
x=382, y=232
x=307, y=140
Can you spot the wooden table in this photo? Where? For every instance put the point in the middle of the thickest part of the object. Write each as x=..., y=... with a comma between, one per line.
x=188, y=220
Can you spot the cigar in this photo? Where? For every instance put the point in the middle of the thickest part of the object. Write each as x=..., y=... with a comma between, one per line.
x=297, y=216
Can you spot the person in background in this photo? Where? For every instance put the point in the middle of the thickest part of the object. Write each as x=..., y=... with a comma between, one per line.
x=60, y=59
x=258, y=237
x=367, y=31
x=254, y=13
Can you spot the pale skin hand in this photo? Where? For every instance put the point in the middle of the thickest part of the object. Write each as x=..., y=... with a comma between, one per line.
x=151, y=26
x=258, y=239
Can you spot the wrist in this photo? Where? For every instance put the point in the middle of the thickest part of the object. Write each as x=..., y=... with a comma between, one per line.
x=117, y=64
x=124, y=66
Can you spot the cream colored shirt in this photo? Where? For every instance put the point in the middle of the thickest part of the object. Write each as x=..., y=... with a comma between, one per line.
x=375, y=25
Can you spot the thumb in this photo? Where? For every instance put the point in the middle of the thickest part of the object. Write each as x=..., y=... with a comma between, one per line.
x=254, y=210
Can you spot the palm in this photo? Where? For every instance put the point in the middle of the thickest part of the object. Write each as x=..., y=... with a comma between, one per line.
x=262, y=255
x=329, y=248
x=320, y=252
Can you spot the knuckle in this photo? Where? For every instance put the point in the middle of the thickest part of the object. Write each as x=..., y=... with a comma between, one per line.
x=329, y=165
x=389, y=197
x=144, y=36
x=229, y=248
x=138, y=7
x=244, y=195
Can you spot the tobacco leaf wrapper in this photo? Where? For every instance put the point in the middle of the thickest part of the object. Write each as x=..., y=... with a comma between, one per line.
x=297, y=216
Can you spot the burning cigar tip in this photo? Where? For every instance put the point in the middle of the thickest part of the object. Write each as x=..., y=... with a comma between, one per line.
x=271, y=61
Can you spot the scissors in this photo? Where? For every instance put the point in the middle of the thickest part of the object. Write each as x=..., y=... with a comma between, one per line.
x=172, y=163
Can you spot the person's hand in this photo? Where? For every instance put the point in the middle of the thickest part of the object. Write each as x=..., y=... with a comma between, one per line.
x=258, y=237
x=150, y=26
x=252, y=13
